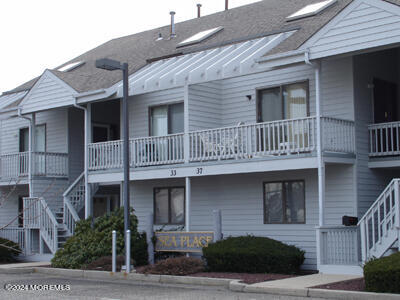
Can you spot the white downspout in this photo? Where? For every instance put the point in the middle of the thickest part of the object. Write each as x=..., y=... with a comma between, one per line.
x=30, y=156
x=86, y=158
x=320, y=162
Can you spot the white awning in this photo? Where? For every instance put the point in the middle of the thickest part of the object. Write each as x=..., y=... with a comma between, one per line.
x=208, y=65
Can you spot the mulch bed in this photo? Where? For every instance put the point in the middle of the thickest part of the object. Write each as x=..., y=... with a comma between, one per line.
x=244, y=277
x=357, y=285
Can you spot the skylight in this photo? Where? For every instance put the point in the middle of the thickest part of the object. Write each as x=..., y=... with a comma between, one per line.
x=199, y=37
x=311, y=10
x=71, y=66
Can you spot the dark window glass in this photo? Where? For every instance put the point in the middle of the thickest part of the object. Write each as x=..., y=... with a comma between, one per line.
x=284, y=202
x=169, y=205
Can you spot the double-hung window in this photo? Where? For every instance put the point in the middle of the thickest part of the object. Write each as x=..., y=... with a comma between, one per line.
x=284, y=202
x=169, y=206
x=283, y=102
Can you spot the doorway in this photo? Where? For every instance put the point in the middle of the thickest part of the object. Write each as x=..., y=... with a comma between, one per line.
x=385, y=101
x=21, y=211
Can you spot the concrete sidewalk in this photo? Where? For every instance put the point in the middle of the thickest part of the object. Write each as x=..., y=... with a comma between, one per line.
x=302, y=282
x=25, y=265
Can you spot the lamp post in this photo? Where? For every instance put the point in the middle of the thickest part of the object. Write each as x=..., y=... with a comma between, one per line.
x=112, y=65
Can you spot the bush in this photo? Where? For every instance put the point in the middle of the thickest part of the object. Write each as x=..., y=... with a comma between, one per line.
x=89, y=244
x=249, y=254
x=105, y=263
x=383, y=275
x=8, y=251
x=176, y=266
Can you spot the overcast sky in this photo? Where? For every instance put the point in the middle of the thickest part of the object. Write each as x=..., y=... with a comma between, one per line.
x=40, y=34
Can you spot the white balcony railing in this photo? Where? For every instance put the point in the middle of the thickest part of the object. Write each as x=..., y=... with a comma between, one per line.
x=339, y=245
x=31, y=213
x=284, y=137
x=384, y=139
x=16, y=165
x=15, y=234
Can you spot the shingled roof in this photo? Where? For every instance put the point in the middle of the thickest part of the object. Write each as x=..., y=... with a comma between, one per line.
x=242, y=23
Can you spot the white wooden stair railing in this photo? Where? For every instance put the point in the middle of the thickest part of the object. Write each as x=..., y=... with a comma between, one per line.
x=74, y=201
x=48, y=225
x=380, y=225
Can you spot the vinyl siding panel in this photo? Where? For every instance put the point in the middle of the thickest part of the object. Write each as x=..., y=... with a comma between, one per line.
x=361, y=26
x=51, y=189
x=9, y=203
x=48, y=92
x=205, y=106
x=56, y=131
x=240, y=197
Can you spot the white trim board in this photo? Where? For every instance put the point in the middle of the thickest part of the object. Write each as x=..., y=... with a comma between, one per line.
x=192, y=170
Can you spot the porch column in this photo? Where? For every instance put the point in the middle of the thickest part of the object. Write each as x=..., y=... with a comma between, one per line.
x=88, y=140
x=188, y=195
x=186, y=142
x=31, y=156
x=321, y=164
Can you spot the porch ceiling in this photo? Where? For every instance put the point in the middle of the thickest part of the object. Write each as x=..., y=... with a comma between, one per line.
x=203, y=66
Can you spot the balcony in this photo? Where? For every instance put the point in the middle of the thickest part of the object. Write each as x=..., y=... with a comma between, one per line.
x=278, y=139
x=48, y=164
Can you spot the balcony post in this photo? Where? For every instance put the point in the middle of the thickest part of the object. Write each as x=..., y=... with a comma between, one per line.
x=188, y=195
x=31, y=156
x=88, y=139
x=186, y=141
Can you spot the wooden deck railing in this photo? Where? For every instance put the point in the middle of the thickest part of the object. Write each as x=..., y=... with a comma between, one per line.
x=15, y=234
x=16, y=165
x=384, y=139
x=284, y=137
x=31, y=213
x=339, y=245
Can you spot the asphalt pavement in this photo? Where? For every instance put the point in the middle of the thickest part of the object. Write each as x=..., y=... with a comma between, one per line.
x=42, y=286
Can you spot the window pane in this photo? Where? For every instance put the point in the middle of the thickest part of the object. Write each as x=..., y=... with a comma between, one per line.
x=176, y=118
x=40, y=142
x=271, y=105
x=295, y=100
x=177, y=205
x=159, y=121
x=273, y=203
x=295, y=202
x=161, y=206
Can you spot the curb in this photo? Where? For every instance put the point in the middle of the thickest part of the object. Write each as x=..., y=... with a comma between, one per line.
x=232, y=285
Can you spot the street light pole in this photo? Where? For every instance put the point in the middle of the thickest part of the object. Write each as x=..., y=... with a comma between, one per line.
x=111, y=65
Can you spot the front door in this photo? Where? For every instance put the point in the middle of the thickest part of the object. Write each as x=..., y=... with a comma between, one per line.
x=21, y=211
x=385, y=101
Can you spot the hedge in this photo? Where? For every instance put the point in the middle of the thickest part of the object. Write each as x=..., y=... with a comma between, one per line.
x=89, y=244
x=8, y=251
x=250, y=254
x=383, y=275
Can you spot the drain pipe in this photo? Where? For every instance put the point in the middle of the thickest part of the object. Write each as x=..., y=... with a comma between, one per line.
x=321, y=165
x=87, y=111
x=30, y=156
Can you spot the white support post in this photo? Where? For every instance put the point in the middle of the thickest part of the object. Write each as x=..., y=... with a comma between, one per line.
x=321, y=164
x=188, y=194
x=186, y=142
x=31, y=165
x=88, y=139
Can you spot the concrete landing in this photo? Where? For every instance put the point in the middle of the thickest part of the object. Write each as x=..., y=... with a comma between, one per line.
x=307, y=281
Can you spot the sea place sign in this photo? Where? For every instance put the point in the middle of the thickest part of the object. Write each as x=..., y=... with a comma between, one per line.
x=180, y=241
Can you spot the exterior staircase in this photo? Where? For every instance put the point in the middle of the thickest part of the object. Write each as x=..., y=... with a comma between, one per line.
x=380, y=226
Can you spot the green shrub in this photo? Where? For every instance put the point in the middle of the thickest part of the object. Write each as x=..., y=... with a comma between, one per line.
x=89, y=244
x=8, y=251
x=383, y=275
x=176, y=266
x=249, y=254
